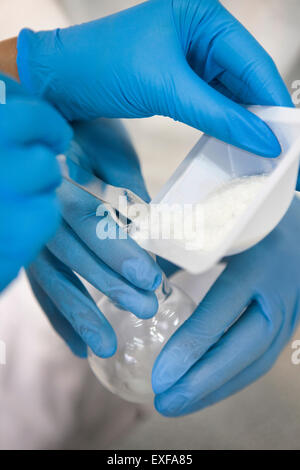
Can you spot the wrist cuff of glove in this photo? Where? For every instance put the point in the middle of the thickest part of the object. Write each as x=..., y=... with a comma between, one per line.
x=23, y=59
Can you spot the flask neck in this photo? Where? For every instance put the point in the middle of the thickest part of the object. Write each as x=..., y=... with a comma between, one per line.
x=164, y=290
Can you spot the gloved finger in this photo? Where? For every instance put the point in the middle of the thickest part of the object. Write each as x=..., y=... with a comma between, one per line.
x=70, y=250
x=74, y=302
x=111, y=154
x=298, y=182
x=37, y=123
x=192, y=101
x=254, y=67
x=217, y=85
x=30, y=170
x=59, y=323
x=168, y=268
x=12, y=87
x=118, y=251
x=246, y=341
x=234, y=89
x=244, y=94
x=26, y=225
x=221, y=307
x=242, y=380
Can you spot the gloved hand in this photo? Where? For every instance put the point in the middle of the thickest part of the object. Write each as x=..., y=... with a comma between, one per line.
x=186, y=59
x=218, y=351
x=117, y=267
x=31, y=134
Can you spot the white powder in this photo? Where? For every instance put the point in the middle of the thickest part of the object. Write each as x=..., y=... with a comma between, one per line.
x=201, y=226
x=220, y=211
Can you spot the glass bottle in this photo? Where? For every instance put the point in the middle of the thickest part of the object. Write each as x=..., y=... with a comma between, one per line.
x=128, y=372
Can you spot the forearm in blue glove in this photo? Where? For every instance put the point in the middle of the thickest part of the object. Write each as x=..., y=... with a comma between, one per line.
x=31, y=134
x=218, y=351
x=186, y=59
x=118, y=268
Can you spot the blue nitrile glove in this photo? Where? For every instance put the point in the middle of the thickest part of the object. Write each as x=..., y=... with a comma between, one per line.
x=186, y=59
x=31, y=134
x=205, y=362
x=119, y=268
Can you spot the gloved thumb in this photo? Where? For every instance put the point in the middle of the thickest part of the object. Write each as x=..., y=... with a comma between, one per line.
x=298, y=182
x=111, y=154
x=192, y=101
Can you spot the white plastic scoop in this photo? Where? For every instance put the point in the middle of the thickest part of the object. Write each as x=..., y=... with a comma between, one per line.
x=212, y=163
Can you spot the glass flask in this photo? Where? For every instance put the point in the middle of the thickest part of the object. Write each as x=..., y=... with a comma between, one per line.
x=128, y=372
